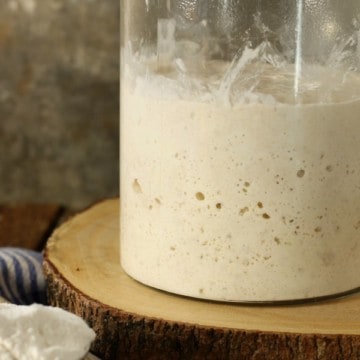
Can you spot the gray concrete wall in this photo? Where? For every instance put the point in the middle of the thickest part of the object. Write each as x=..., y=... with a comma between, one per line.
x=59, y=63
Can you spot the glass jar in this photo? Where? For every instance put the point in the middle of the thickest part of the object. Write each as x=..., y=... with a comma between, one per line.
x=240, y=147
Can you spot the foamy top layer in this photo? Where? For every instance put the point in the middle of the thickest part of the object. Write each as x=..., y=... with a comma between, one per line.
x=253, y=77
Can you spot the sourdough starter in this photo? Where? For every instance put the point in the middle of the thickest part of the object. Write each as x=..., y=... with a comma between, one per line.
x=241, y=202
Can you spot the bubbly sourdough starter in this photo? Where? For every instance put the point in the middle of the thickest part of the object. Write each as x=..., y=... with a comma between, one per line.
x=244, y=203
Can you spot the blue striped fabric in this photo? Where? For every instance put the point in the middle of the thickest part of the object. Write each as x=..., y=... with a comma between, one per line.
x=21, y=276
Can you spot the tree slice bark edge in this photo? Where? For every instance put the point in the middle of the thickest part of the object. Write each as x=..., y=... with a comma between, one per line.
x=121, y=335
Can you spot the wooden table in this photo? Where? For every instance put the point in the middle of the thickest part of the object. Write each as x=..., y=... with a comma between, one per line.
x=29, y=225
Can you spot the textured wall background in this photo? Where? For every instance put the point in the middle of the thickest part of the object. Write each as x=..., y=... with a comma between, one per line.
x=59, y=64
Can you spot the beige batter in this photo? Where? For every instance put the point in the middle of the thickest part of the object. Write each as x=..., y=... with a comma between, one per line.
x=241, y=202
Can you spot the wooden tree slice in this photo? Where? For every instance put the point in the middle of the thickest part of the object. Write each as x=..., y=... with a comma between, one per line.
x=133, y=321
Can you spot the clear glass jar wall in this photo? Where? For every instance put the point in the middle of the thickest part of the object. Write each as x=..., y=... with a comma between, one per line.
x=240, y=147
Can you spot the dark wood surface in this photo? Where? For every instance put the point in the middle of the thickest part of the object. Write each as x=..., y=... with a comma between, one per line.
x=29, y=225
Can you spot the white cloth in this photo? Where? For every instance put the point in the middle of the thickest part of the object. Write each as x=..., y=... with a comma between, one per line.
x=38, y=332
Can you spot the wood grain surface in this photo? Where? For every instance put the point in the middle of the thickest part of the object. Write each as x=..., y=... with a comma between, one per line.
x=135, y=321
x=28, y=225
